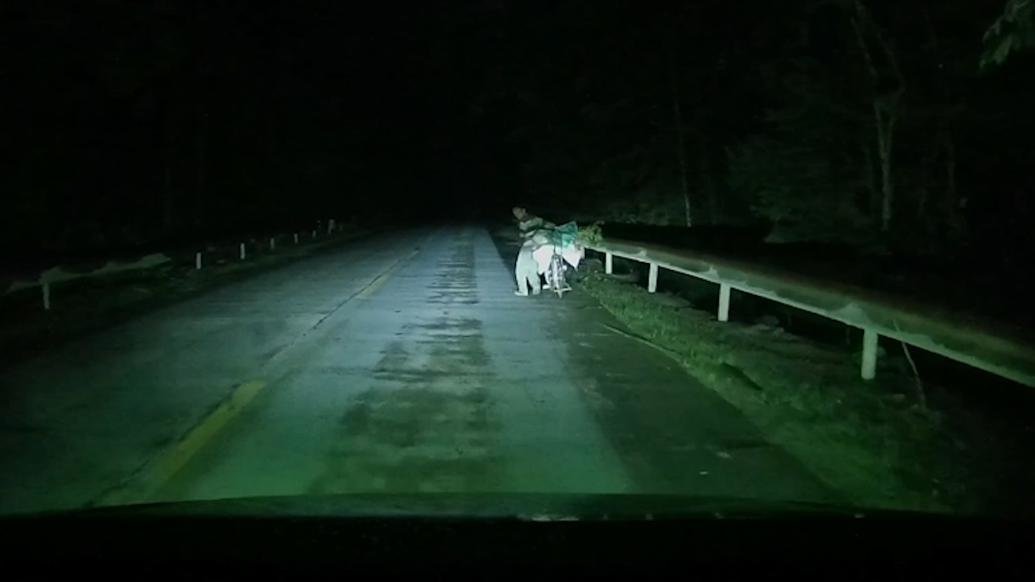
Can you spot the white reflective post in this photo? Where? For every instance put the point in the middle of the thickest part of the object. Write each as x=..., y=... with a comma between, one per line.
x=724, y=302
x=197, y=260
x=273, y=244
x=652, y=279
x=46, y=295
x=242, y=251
x=296, y=238
x=869, y=355
x=608, y=263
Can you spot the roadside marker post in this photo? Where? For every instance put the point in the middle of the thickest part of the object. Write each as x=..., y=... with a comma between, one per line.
x=724, y=302
x=869, y=354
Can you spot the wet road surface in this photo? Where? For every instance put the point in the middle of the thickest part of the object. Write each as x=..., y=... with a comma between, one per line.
x=402, y=363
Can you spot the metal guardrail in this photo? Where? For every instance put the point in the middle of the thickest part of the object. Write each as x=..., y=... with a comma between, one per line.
x=971, y=342
x=51, y=277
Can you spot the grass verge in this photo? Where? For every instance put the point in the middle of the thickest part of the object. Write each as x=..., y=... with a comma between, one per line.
x=869, y=440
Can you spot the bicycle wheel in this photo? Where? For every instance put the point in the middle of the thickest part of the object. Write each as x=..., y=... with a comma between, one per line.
x=557, y=276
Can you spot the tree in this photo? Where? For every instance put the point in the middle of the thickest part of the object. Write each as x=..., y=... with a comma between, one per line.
x=1013, y=31
x=804, y=169
x=889, y=88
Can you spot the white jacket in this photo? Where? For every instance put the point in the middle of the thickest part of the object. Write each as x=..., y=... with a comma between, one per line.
x=572, y=255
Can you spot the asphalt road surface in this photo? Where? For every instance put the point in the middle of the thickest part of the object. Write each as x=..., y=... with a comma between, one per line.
x=401, y=363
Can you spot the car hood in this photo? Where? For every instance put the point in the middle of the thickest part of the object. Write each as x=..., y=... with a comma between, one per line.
x=530, y=507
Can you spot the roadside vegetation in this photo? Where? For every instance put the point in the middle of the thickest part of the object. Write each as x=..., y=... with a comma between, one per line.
x=876, y=442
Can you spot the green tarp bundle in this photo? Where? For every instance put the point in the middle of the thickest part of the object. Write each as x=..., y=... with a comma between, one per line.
x=564, y=235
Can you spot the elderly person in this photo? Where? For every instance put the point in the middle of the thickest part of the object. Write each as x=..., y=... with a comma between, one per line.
x=528, y=223
x=542, y=241
x=526, y=271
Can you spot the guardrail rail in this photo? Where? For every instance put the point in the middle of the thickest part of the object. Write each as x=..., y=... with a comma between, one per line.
x=969, y=341
x=51, y=277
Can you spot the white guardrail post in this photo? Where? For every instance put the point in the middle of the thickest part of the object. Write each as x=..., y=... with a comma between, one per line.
x=609, y=263
x=724, y=302
x=869, y=354
x=45, y=279
x=652, y=278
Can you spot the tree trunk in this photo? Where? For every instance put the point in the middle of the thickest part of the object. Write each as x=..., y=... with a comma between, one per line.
x=873, y=200
x=170, y=135
x=950, y=169
x=168, y=204
x=202, y=168
x=705, y=184
x=201, y=86
x=886, y=121
x=950, y=206
x=924, y=187
x=677, y=114
x=886, y=103
x=708, y=185
x=955, y=205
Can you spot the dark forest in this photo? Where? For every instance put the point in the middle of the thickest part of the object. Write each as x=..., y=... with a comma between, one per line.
x=888, y=126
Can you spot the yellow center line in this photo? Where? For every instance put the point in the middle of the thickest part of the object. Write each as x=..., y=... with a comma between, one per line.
x=379, y=282
x=161, y=469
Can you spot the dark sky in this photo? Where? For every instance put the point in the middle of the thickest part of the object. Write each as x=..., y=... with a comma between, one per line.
x=344, y=102
x=126, y=118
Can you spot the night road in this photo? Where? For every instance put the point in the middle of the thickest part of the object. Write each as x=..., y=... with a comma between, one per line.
x=400, y=363
x=259, y=286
